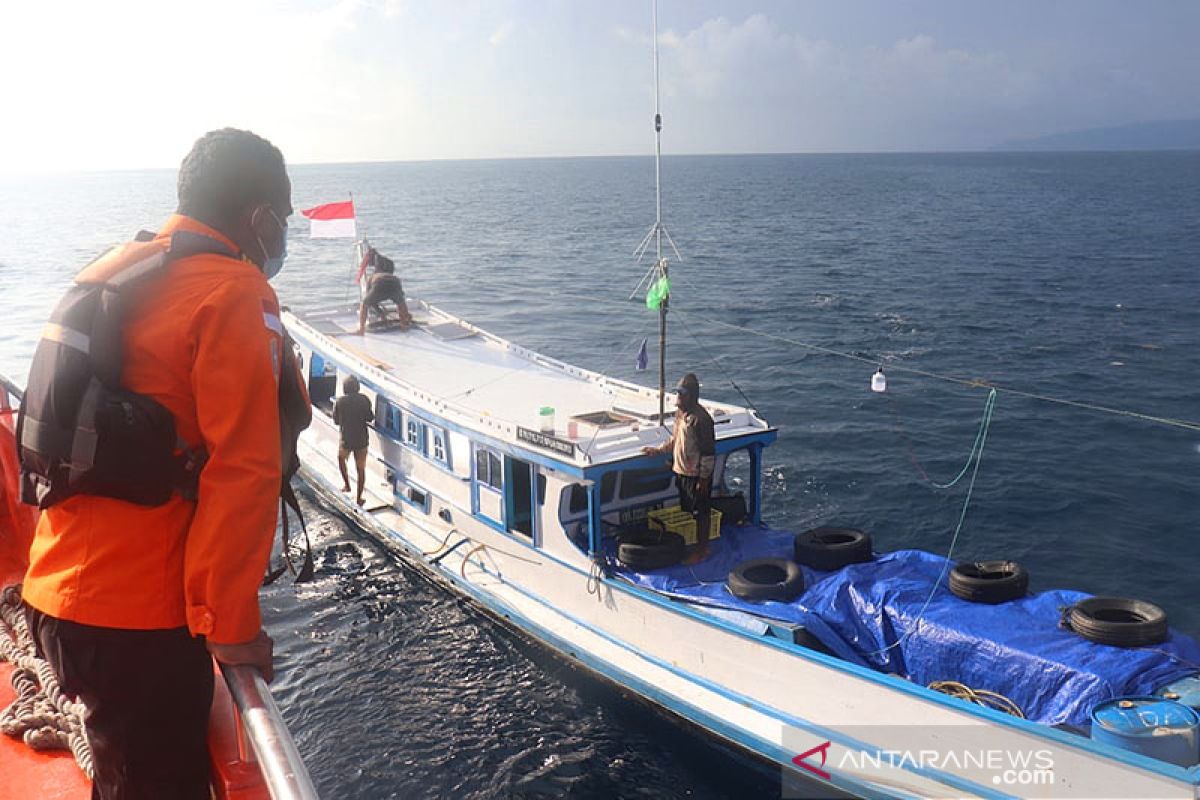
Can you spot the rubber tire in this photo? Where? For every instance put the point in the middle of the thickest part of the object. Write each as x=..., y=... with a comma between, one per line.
x=766, y=579
x=1119, y=622
x=989, y=582
x=647, y=550
x=827, y=548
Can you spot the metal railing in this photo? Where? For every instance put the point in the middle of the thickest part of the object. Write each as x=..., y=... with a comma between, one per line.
x=282, y=768
x=10, y=395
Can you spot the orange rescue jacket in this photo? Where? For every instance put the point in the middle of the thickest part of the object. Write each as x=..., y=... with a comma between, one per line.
x=205, y=341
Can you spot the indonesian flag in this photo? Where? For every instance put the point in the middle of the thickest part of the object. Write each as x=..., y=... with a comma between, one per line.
x=332, y=220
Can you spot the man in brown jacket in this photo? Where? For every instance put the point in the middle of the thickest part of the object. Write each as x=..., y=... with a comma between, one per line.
x=693, y=448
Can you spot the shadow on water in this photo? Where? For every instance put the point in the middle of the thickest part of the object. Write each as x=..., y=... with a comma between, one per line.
x=396, y=687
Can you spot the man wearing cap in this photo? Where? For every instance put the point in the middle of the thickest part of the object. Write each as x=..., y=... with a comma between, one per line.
x=693, y=448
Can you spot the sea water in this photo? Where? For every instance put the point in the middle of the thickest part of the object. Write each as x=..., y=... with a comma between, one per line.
x=1071, y=276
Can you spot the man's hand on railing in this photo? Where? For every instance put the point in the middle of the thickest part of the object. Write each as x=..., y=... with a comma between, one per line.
x=257, y=653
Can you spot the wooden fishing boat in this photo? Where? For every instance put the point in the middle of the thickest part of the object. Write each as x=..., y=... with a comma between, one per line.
x=468, y=478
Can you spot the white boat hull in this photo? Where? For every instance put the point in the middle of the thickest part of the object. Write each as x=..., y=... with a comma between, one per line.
x=767, y=696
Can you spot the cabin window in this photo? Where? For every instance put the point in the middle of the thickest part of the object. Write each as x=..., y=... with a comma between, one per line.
x=441, y=453
x=578, y=501
x=488, y=498
x=488, y=469
x=414, y=496
x=638, y=482
x=733, y=472
x=608, y=487
x=387, y=416
x=414, y=434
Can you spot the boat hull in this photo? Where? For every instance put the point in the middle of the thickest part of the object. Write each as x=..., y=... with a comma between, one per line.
x=771, y=698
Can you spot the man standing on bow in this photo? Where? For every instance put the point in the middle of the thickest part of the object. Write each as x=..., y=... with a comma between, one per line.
x=693, y=448
x=129, y=603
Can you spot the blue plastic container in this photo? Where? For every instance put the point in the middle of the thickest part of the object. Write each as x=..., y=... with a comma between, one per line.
x=1153, y=726
x=1185, y=690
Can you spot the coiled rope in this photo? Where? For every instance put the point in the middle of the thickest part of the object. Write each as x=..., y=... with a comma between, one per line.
x=41, y=715
x=980, y=697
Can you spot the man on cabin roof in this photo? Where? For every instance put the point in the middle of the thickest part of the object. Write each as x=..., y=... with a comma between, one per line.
x=693, y=452
x=382, y=286
x=129, y=603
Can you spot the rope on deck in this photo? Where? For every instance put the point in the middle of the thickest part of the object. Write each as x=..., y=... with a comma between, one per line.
x=42, y=715
x=980, y=697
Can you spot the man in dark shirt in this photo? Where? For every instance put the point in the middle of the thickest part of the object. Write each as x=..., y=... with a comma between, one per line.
x=351, y=413
x=382, y=286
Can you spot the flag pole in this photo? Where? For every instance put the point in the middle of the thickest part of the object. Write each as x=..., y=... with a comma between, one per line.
x=362, y=244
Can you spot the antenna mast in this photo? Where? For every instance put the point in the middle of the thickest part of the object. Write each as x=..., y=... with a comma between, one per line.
x=659, y=285
x=658, y=233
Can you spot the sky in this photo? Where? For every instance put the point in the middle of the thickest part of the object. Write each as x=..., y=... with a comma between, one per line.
x=88, y=85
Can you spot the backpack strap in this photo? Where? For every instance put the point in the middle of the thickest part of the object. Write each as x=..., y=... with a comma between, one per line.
x=287, y=499
x=116, y=290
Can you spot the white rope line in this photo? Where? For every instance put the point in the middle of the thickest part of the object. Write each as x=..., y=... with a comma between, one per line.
x=973, y=383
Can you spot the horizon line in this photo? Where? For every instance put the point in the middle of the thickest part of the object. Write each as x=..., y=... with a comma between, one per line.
x=467, y=159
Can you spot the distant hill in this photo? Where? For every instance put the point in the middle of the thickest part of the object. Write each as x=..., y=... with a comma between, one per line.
x=1180, y=134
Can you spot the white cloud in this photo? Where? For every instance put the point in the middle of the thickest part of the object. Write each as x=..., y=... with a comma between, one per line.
x=501, y=34
x=391, y=9
x=804, y=94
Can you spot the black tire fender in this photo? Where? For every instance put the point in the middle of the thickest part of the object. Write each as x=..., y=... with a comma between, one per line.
x=829, y=548
x=649, y=549
x=1118, y=621
x=989, y=581
x=766, y=579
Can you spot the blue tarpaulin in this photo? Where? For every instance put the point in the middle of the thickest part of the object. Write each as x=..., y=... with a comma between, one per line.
x=870, y=614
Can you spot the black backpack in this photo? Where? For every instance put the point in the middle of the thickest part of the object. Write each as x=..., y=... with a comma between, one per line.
x=79, y=431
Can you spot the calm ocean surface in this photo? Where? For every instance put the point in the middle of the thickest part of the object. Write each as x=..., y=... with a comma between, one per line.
x=1072, y=275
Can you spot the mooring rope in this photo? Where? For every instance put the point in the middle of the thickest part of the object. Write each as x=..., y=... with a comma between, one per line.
x=971, y=383
x=976, y=456
x=42, y=715
x=968, y=382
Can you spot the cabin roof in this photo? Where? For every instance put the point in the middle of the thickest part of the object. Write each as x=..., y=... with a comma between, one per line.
x=483, y=382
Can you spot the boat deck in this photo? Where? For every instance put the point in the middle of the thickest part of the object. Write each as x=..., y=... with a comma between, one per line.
x=460, y=370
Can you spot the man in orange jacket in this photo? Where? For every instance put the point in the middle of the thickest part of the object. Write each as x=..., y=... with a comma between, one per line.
x=128, y=601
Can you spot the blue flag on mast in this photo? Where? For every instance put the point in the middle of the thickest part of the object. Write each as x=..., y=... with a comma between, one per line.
x=642, y=358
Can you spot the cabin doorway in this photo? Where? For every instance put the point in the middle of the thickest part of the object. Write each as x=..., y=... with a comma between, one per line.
x=518, y=497
x=322, y=382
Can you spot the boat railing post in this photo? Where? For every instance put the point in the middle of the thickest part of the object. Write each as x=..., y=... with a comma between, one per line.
x=282, y=768
x=756, y=475
x=593, y=501
x=10, y=395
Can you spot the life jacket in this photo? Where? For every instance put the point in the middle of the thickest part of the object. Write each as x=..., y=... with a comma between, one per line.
x=80, y=432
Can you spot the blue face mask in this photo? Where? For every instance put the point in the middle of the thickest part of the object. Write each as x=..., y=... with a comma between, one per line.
x=271, y=266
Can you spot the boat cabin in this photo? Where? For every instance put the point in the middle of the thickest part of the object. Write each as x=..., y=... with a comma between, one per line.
x=468, y=423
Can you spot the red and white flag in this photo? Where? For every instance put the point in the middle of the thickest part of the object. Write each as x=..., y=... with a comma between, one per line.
x=332, y=220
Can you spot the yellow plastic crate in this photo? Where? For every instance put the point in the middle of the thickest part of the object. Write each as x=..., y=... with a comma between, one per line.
x=676, y=520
